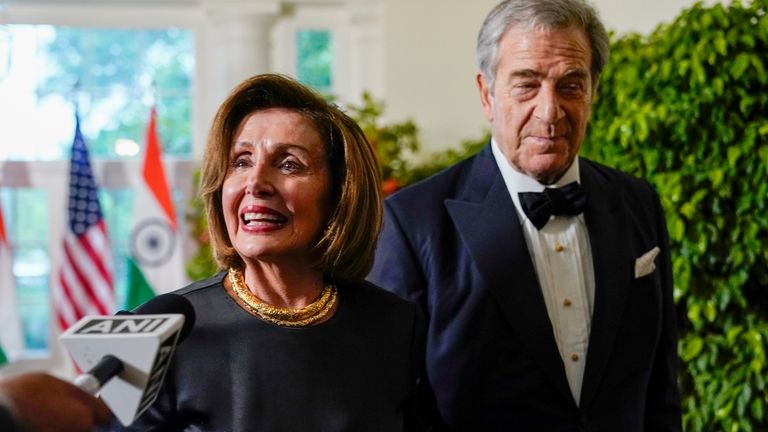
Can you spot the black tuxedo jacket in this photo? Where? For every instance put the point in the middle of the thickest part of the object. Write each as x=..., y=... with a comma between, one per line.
x=453, y=243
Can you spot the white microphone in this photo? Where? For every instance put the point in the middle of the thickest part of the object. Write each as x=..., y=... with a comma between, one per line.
x=127, y=355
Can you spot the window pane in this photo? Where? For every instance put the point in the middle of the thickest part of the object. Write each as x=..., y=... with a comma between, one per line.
x=117, y=207
x=315, y=59
x=32, y=269
x=27, y=219
x=114, y=76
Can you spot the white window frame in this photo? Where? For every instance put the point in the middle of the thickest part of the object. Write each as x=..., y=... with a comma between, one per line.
x=355, y=37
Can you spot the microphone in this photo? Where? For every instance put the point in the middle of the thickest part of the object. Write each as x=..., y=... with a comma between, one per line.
x=110, y=366
x=169, y=303
x=127, y=355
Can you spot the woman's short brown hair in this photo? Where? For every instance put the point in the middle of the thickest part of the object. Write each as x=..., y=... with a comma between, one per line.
x=345, y=248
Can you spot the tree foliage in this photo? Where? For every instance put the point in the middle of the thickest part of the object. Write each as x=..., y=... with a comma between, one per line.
x=395, y=143
x=121, y=71
x=687, y=108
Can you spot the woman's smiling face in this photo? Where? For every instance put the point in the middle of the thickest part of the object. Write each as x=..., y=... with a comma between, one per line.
x=276, y=194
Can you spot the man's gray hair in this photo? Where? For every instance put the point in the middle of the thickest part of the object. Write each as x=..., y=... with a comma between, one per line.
x=551, y=14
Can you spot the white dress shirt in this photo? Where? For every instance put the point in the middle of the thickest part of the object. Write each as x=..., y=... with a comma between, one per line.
x=562, y=258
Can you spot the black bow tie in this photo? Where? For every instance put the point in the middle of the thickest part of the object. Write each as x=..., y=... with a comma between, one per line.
x=539, y=206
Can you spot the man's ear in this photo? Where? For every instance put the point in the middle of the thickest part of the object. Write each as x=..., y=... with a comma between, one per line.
x=486, y=97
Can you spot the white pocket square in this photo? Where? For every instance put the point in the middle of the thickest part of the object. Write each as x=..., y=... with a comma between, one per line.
x=645, y=265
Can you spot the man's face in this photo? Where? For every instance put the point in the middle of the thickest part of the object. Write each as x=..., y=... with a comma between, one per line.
x=540, y=102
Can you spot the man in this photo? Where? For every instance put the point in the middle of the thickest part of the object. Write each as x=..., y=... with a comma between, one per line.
x=38, y=402
x=538, y=321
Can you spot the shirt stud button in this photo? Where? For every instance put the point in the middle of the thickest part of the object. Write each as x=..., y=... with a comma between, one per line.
x=567, y=302
x=575, y=357
x=559, y=247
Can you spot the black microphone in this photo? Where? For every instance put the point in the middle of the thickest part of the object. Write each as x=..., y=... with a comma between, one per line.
x=169, y=303
x=127, y=355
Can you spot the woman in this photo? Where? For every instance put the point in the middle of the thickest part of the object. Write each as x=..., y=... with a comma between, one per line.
x=289, y=336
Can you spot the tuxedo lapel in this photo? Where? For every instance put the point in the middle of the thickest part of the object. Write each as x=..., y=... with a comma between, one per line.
x=608, y=239
x=487, y=221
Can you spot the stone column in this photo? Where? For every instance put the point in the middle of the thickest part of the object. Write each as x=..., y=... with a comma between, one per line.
x=232, y=44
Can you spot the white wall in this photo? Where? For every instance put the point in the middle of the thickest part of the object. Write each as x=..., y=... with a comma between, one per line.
x=429, y=63
x=429, y=66
x=640, y=16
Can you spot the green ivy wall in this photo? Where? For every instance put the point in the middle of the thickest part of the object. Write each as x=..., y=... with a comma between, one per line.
x=687, y=109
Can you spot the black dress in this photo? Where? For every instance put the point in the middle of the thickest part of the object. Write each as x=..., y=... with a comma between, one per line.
x=358, y=371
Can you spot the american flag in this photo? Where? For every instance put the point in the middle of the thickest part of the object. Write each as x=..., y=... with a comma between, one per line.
x=85, y=283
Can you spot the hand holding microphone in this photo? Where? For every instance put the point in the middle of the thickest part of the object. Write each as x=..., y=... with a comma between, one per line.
x=39, y=402
x=127, y=355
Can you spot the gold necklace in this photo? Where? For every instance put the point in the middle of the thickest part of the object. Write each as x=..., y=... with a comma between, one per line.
x=287, y=317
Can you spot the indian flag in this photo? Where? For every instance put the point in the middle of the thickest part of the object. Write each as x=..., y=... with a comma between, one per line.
x=11, y=336
x=156, y=263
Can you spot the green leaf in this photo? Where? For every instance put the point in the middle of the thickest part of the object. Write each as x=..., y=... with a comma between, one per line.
x=733, y=156
x=677, y=231
x=763, y=152
x=692, y=349
x=757, y=63
x=733, y=333
x=724, y=411
x=710, y=311
x=757, y=409
x=718, y=85
x=716, y=177
x=721, y=45
x=740, y=65
x=742, y=400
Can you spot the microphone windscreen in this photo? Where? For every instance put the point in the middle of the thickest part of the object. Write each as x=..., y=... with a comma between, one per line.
x=170, y=303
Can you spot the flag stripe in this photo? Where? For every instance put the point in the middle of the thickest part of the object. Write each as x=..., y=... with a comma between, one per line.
x=67, y=304
x=92, y=242
x=95, y=239
x=153, y=171
x=64, y=322
x=3, y=236
x=66, y=314
x=139, y=289
x=87, y=282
